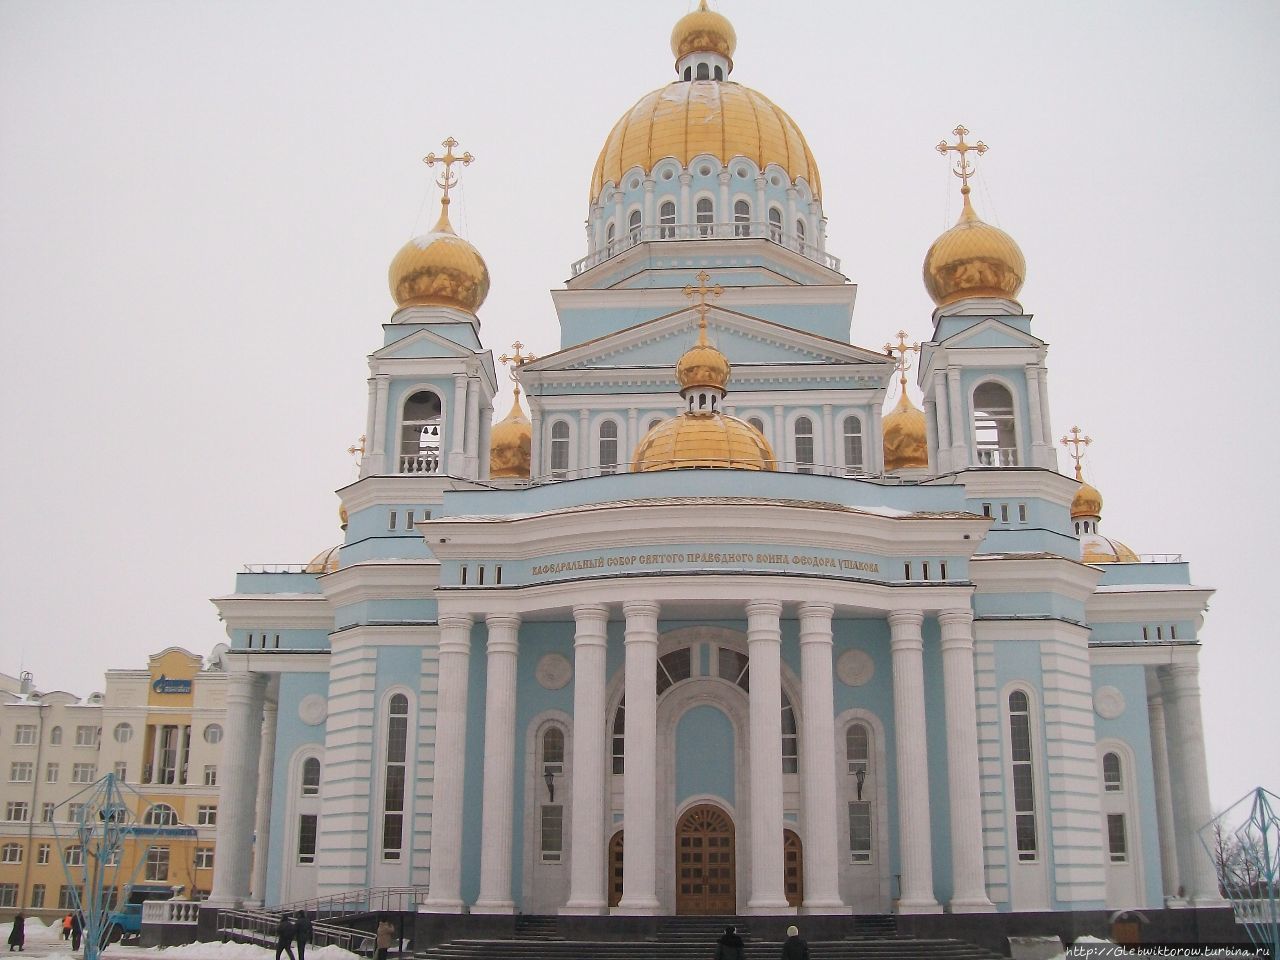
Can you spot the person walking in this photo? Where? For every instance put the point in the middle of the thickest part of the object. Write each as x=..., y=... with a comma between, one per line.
x=796, y=948
x=730, y=946
x=301, y=933
x=18, y=935
x=284, y=936
x=66, y=927
x=386, y=934
x=77, y=930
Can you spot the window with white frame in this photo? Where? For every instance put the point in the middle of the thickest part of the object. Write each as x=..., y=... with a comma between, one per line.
x=157, y=864
x=68, y=897
x=37, y=896
x=1023, y=773
x=667, y=220
x=394, y=777
x=420, y=433
x=559, y=450
x=11, y=853
x=790, y=737
x=775, y=224
x=311, y=777
x=123, y=732
x=1112, y=778
x=46, y=812
x=24, y=735
x=308, y=827
x=800, y=235
x=213, y=733
x=8, y=897
x=21, y=771
x=86, y=736
x=204, y=858
x=160, y=815
x=860, y=831
x=608, y=446
x=705, y=213
x=121, y=770
x=610, y=234
x=17, y=811
x=73, y=856
x=75, y=811
x=551, y=815
x=618, y=738
x=210, y=774
x=803, y=431
x=1117, y=844
x=44, y=853
x=994, y=426
x=207, y=815
x=852, y=428
x=857, y=750
x=552, y=832
x=633, y=226
x=742, y=218
x=55, y=736
x=84, y=772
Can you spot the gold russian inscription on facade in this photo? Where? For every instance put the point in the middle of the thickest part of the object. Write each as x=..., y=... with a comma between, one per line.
x=785, y=561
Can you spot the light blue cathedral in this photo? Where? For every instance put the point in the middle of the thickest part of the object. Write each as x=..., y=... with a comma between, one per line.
x=705, y=632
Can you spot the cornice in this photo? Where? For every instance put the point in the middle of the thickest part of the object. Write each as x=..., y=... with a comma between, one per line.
x=285, y=611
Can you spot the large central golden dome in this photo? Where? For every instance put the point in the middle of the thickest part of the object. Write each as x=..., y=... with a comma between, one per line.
x=713, y=440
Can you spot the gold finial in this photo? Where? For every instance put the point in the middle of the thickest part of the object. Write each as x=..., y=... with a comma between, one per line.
x=357, y=448
x=702, y=291
x=448, y=179
x=963, y=169
x=1076, y=443
x=516, y=360
x=900, y=361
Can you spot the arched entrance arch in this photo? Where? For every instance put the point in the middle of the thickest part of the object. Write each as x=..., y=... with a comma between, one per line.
x=705, y=861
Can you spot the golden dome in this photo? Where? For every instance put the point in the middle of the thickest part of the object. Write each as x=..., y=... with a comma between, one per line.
x=906, y=444
x=1087, y=502
x=702, y=440
x=326, y=561
x=691, y=117
x=509, y=444
x=973, y=259
x=702, y=365
x=342, y=515
x=439, y=269
x=703, y=31
x=1095, y=548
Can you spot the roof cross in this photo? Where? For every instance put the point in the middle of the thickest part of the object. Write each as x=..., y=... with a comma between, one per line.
x=901, y=363
x=515, y=359
x=702, y=291
x=448, y=179
x=1077, y=443
x=963, y=169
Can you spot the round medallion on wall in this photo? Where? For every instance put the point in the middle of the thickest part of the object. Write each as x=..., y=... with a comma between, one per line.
x=553, y=671
x=312, y=709
x=855, y=667
x=1108, y=703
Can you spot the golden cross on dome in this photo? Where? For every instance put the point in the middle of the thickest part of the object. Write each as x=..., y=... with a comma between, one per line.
x=357, y=449
x=1076, y=443
x=901, y=349
x=702, y=291
x=963, y=169
x=448, y=179
x=516, y=360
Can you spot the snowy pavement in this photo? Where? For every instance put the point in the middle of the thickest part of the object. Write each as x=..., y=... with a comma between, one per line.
x=45, y=941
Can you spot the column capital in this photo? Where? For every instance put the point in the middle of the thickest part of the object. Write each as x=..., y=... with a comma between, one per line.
x=904, y=619
x=956, y=628
x=590, y=623
x=510, y=621
x=764, y=608
x=455, y=634
x=244, y=686
x=956, y=615
x=641, y=608
x=815, y=608
x=504, y=633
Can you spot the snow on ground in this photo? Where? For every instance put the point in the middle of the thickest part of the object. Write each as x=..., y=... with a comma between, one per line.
x=219, y=951
x=36, y=932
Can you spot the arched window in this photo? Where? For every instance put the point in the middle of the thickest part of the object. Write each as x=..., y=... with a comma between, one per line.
x=654, y=422
x=667, y=220
x=800, y=235
x=608, y=447
x=55, y=736
x=311, y=777
x=719, y=73
x=553, y=751
x=704, y=71
x=420, y=434
x=1024, y=793
x=853, y=446
x=393, y=792
x=688, y=75
x=804, y=445
x=619, y=739
x=160, y=815
x=706, y=216
x=758, y=424
x=1112, y=778
x=551, y=811
x=742, y=219
x=857, y=751
x=674, y=667
x=633, y=226
x=994, y=433
x=610, y=234
x=775, y=224
x=790, y=737
x=559, y=450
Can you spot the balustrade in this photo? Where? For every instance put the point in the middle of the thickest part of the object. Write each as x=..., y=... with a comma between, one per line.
x=728, y=230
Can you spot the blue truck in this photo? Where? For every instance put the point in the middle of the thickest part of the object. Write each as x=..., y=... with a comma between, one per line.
x=125, y=921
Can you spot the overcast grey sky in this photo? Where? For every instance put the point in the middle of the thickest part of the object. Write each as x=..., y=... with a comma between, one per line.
x=199, y=202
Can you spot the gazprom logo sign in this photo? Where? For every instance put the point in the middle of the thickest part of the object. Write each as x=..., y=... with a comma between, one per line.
x=163, y=684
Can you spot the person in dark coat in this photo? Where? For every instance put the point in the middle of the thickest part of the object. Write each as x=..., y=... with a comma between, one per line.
x=77, y=929
x=301, y=933
x=730, y=946
x=284, y=936
x=18, y=935
x=795, y=948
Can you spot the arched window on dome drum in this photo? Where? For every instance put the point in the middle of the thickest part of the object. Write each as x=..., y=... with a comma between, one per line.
x=719, y=73
x=758, y=424
x=393, y=790
x=852, y=446
x=704, y=71
x=742, y=219
x=1112, y=780
x=420, y=434
x=559, y=450
x=706, y=216
x=1024, y=794
x=995, y=437
x=633, y=226
x=688, y=75
x=610, y=234
x=800, y=235
x=775, y=224
x=804, y=445
x=608, y=447
x=790, y=737
x=667, y=220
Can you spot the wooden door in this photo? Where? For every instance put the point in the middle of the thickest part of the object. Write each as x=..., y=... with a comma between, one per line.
x=793, y=867
x=705, y=862
x=615, y=869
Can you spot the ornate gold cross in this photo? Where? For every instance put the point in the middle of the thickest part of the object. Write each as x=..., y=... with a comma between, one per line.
x=448, y=179
x=516, y=360
x=702, y=291
x=963, y=169
x=1076, y=443
x=357, y=449
x=901, y=349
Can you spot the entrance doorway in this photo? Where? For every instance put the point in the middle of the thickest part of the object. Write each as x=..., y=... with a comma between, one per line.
x=793, y=868
x=615, y=869
x=705, y=862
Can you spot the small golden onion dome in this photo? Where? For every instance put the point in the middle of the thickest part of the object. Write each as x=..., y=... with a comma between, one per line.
x=1095, y=548
x=702, y=440
x=973, y=259
x=703, y=31
x=509, y=444
x=1087, y=502
x=906, y=444
x=702, y=365
x=439, y=269
x=693, y=118
x=342, y=515
x=326, y=561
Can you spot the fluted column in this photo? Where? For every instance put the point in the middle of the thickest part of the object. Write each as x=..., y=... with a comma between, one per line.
x=764, y=636
x=380, y=456
x=472, y=427
x=817, y=762
x=968, y=880
x=1164, y=797
x=535, y=439
x=639, y=800
x=1038, y=438
x=262, y=822
x=232, y=867
x=498, y=805
x=445, y=893
x=944, y=426
x=959, y=432
x=911, y=746
x=457, y=421
x=586, y=844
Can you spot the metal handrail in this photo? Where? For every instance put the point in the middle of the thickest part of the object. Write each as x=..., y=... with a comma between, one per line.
x=722, y=230
x=363, y=900
x=275, y=568
x=782, y=466
x=260, y=926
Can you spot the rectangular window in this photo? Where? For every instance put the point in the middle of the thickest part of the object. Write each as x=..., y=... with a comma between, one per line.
x=68, y=897
x=17, y=811
x=46, y=813
x=860, y=831
x=1115, y=838
x=37, y=896
x=307, y=825
x=408, y=520
x=480, y=577
x=157, y=863
x=44, y=852
x=391, y=522
x=1159, y=633
x=1004, y=513
x=942, y=570
x=11, y=853
x=206, y=816
x=86, y=736
x=552, y=832
x=121, y=770
x=75, y=811
x=24, y=734
x=83, y=773
x=73, y=856
x=1173, y=632
x=986, y=509
x=497, y=574
x=210, y=775
x=926, y=570
x=906, y=571
x=204, y=858
x=1022, y=513
x=1146, y=635
x=8, y=896
x=464, y=574
x=21, y=771
x=51, y=773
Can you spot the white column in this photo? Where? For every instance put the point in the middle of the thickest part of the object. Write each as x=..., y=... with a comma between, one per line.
x=764, y=637
x=1037, y=421
x=944, y=428
x=911, y=746
x=380, y=456
x=498, y=804
x=184, y=752
x=647, y=224
x=157, y=735
x=726, y=209
x=959, y=434
x=585, y=459
x=233, y=865
x=762, y=210
x=262, y=825
x=781, y=449
x=1051, y=451
x=535, y=439
x=685, y=215
x=817, y=762
x=457, y=425
x=931, y=433
x=1182, y=698
x=968, y=881
x=472, y=427
x=875, y=454
x=639, y=800
x=445, y=895
x=829, y=441
x=632, y=438
x=1164, y=797
x=619, y=224
x=789, y=228
x=587, y=863
x=486, y=440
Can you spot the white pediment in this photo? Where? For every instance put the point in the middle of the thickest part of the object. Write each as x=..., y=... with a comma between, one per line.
x=424, y=344
x=991, y=332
